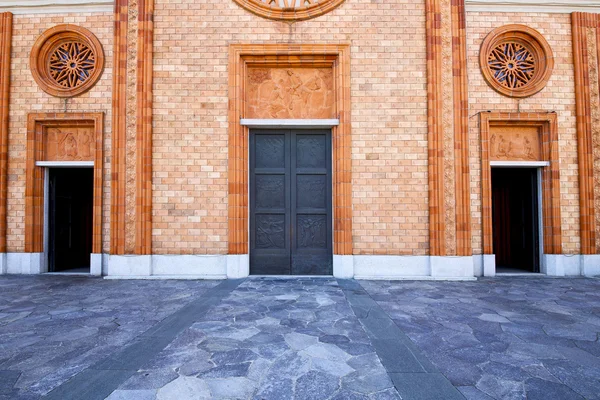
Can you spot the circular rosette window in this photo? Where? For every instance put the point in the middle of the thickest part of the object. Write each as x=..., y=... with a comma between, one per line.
x=67, y=60
x=289, y=10
x=516, y=61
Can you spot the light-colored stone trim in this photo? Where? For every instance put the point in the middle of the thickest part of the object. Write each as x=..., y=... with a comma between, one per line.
x=532, y=6
x=55, y=6
x=289, y=123
x=520, y=164
x=65, y=164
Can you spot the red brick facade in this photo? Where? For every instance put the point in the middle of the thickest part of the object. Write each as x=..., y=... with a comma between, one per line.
x=411, y=157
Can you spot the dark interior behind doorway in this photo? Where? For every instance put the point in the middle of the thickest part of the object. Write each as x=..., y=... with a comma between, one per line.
x=70, y=219
x=515, y=218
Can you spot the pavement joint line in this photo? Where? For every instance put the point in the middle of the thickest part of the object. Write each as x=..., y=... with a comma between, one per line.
x=99, y=380
x=413, y=375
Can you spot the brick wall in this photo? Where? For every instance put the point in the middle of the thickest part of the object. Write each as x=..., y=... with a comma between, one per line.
x=27, y=97
x=558, y=96
x=389, y=119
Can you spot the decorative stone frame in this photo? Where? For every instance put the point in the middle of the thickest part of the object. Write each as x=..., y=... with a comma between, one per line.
x=547, y=123
x=40, y=53
x=241, y=57
x=290, y=13
x=34, y=185
x=535, y=42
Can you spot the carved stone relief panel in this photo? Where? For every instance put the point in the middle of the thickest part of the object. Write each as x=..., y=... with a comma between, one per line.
x=290, y=93
x=515, y=143
x=69, y=143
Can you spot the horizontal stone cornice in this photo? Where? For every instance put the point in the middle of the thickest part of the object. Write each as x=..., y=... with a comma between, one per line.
x=55, y=6
x=547, y=6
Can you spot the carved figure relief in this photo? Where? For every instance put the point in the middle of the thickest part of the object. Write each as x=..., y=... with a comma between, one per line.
x=66, y=60
x=312, y=231
x=69, y=144
x=516, y=60
x=515, y=144
x=283, y=93
x=270, y=232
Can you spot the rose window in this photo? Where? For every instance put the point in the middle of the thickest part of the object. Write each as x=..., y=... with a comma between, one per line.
x=71, y=64
x=67, y=61
x=289, y=10
x=516, y=61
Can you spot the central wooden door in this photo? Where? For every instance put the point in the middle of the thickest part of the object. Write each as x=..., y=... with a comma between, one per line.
x=290, y=202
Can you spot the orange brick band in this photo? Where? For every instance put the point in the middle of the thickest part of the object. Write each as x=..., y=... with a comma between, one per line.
x=119, y=129
x=440, y=194
x=283, y=55
x=143, y=236
x=547, y=123
x=580, y=24
x=435, y=135
x=5, y=48
x=461, y=130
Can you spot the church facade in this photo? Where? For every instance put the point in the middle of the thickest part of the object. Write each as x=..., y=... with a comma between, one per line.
x=400, y=139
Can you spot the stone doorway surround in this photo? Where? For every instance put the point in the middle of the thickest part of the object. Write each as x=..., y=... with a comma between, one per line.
x=59, y=140
x=295, y=60
x=537, y=137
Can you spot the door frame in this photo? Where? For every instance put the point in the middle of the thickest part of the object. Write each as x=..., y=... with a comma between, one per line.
x=37, y=183
x=325, y=124
x=243, y=56
x=538, y=165
x=547, y=125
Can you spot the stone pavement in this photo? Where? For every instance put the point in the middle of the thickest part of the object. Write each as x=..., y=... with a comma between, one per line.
x=266, y=338
x=53, y=327
x=504, y=338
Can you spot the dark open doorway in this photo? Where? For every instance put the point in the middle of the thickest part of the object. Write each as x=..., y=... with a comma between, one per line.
x=515, y=219
x=70, y=219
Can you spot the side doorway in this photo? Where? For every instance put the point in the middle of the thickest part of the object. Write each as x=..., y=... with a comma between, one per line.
x=516, y=219
x=70, y=219
x=291, y=222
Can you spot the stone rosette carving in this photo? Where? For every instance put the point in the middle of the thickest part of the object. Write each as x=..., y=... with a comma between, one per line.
x=516, y=60
x=66, y=60
x=289, y=10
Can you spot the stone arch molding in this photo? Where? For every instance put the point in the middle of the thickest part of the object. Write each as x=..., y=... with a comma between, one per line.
x=289, y=10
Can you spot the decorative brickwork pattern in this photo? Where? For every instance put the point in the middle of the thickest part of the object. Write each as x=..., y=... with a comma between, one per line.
x=449, y=200
x=586, y=47
x=67, y=60
x=241, y=59
x=558, y=96
x=289, y=10
x=143, y=234
x=27, y=97
x=5, y=49
x=119, y=114
x=547, y=125
x=516, y=60
x=38, y=126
